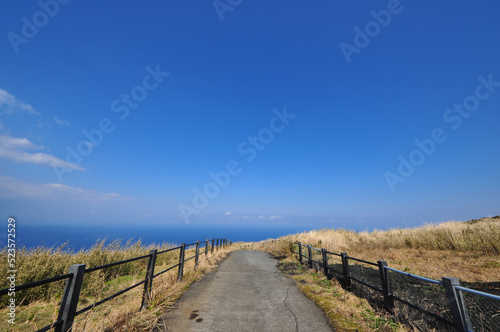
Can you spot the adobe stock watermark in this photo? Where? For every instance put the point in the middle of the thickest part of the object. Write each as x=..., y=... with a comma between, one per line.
x=454, y=117
x=373, y=28
x=120, y=106
x=223, y=6
x=11, y=269
x=30, y=27
x=249, y=148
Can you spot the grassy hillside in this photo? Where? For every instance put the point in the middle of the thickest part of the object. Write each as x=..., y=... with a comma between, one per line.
x=39, y=306
x=468, y=250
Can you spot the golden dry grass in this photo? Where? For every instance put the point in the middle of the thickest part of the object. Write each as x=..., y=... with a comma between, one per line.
x=39, y=306
x=468, y=250
x=346, y=311
x=122, y=315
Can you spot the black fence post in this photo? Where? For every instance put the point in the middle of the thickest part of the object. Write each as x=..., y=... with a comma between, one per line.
x=325, y=262
x=217, y=244
x=345, y=269
x=309, y=253
x=386, y=286
x=180, y=274
x=197, y=254
x=300, y=253
x=149, y=278
x=206, y=248
x=458, y=307
x=213, y=241
x=70, y=298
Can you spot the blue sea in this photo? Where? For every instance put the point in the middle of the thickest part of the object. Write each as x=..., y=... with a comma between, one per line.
x=80, y=237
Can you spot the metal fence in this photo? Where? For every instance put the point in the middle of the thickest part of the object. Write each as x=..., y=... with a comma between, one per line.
x=440, y=304
x=75, y=276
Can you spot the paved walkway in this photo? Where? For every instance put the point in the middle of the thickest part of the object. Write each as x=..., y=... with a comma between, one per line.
x=245, y=293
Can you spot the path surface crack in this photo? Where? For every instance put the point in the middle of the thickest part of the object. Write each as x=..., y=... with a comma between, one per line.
x=286, y=306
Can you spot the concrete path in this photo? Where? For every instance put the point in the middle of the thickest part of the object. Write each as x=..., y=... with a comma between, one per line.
x=245, y=293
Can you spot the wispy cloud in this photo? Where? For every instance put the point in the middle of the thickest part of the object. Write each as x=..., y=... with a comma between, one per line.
x=11, y=148
x=85, y=194
x=10, y=105
x=252, y=217
x=273, y=217
x=13, y=188
x=10, y=142
x=61, y=122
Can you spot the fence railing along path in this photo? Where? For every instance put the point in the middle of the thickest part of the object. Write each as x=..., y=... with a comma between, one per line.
x=455, y=306
x=74, y=279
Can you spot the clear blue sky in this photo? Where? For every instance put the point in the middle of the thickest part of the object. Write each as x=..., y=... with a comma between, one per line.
x=356, y=104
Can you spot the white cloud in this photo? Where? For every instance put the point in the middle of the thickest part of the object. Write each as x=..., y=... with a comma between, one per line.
x=85, y=194
x=11, y=149
x=9, y=142
x=252, y=217
x=276, y=216
x=61, y=122
x=10, y=105
x=13, y=188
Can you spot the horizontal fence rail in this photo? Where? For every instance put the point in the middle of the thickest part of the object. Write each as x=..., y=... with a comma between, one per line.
x=455, y=306
x=432, y=281
x=97, y=268
x=74, y=279
x=37, y=283
x=362, y=261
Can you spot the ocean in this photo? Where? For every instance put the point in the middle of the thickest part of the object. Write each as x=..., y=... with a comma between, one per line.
x=80, y=237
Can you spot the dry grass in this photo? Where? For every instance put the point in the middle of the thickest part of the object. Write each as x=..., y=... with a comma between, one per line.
x=469, y=251
x=122, y=315
x=40, y=305
x=42, y=263
x=346, y=311
x=477, y=235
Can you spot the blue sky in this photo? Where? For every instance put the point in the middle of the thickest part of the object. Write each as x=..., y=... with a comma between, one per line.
x=311, y=111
